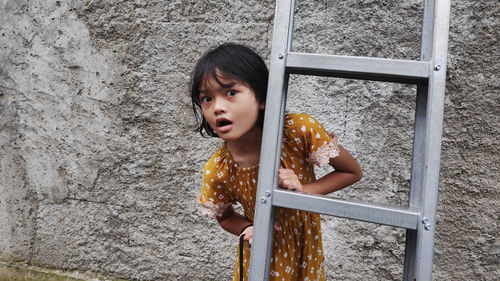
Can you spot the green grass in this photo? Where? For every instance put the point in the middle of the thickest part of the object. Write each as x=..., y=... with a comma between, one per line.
x=11, y=271
x=8, y=273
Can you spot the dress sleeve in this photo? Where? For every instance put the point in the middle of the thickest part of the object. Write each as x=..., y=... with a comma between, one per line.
x=213, y=198
x=311, y=137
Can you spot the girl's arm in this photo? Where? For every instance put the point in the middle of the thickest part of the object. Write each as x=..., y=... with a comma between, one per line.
x=237, y=224
x=232, y=221
x=347, y=171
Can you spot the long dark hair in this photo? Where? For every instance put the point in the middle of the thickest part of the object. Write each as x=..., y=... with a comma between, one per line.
x=233, y=61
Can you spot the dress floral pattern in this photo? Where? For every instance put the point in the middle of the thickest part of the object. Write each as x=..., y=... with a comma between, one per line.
x=298, y=251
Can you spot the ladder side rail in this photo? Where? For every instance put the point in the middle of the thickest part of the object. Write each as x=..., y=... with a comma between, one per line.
x=434, y=127
x=417, y=167
x=421, y=106
x=290, y=28
x=427, y=30
x=271, y=144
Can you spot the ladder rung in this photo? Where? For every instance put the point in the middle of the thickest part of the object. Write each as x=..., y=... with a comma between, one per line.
x=370, y=212
x=366, y=68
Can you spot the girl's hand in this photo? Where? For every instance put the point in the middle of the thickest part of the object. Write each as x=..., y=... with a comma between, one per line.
x=288, y=179
x=249, y=233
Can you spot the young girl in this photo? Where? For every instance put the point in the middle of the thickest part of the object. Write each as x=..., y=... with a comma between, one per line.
x=229, y=90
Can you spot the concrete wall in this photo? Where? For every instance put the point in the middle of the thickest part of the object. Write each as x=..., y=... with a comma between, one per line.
x=100, y=167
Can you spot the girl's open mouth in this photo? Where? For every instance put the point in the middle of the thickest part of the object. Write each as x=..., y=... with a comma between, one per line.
x=224, y=125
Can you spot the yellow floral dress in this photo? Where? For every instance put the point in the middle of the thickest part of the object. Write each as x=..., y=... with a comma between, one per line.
x=298, y=251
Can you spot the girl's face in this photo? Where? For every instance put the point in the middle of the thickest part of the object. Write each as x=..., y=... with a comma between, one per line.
x=230, y=110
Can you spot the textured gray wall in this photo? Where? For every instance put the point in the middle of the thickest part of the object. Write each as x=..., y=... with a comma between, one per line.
x=100, y=168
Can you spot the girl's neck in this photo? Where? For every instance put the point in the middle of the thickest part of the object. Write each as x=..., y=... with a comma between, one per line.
x=246, y=150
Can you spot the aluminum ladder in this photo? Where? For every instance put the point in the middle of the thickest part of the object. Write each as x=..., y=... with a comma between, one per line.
x=429, y=74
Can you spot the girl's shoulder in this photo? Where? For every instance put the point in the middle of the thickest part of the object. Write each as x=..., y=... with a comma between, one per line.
x=304, y=133
x=219, y=165
x=298, y=123
x=300, y=117
x=219, y=157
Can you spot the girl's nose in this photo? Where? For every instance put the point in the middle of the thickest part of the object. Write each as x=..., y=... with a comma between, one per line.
x=219, y=105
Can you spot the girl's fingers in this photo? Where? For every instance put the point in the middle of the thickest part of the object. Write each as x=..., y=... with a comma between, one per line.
x=248, y=235
x=287, y=184
x=249, y=238
x=288, y=179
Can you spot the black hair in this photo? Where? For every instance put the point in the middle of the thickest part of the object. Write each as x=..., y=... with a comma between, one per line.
x=234, y=61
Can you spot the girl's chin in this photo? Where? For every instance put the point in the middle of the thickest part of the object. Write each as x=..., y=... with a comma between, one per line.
x=228, y=138
x=225, y=137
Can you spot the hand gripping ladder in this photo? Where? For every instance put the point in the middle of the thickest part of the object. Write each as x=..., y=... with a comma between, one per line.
x=429, y=74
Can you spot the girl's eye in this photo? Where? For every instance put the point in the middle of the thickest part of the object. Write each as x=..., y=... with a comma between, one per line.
x=205, y=99
x=231, y=93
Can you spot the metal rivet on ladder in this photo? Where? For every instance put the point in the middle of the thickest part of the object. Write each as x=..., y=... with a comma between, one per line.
x=437, y=67
x=263, y=200
x=281, y=56
x=427, y=225
x=268, y=193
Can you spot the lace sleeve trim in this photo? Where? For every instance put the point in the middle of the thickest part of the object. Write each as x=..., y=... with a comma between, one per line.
x=327, y=151
x=214, y=210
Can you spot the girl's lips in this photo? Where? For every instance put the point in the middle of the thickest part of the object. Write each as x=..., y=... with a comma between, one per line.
x=225, y=128
x=224, y=125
